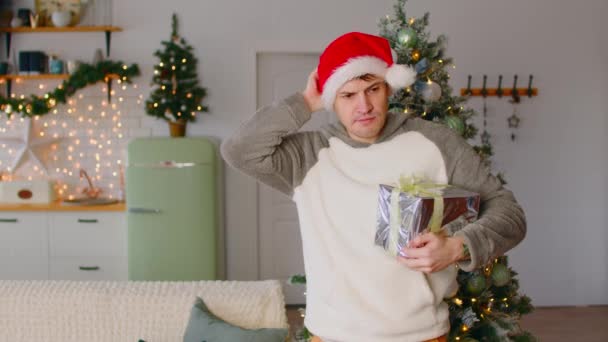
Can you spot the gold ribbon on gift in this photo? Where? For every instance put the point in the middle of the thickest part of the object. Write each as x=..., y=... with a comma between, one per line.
x=418, y=187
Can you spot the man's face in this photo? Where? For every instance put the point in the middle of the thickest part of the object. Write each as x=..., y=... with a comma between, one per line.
x=361, y=106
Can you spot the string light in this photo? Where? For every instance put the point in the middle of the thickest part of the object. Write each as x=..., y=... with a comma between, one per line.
x=63, y=161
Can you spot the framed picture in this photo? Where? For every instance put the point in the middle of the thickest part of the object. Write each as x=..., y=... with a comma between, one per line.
x=46, y=8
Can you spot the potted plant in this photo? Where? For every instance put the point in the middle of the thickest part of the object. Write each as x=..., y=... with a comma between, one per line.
x=177, y=95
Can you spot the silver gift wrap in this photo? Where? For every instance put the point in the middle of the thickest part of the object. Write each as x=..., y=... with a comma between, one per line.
x=416, y=213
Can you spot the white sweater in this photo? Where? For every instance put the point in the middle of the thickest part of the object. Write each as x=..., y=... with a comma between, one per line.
x=355, y=290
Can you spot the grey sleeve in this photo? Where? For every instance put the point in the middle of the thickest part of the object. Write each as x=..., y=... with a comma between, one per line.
x=501, y=224
x=269, y=148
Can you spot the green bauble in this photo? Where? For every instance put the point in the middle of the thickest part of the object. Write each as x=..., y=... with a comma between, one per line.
x=407, y=37
x=500, y=275
x=476, y=284
x=455, y=123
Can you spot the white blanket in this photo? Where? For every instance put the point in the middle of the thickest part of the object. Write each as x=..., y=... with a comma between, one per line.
x=113, y=311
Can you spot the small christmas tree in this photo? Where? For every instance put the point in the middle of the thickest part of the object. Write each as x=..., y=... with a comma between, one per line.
x=177, y=96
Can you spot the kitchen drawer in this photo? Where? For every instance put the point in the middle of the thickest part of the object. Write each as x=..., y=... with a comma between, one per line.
x=87, y=234
x=88, y=268
x=23, y=234
x=24, y=268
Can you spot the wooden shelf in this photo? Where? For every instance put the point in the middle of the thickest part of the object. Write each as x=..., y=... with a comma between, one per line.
x=44, y=77
x=61, y=29
x=46, y=29
x=8, y=80
x=35, y=77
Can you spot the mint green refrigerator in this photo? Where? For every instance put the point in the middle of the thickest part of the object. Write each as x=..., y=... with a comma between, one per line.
x=173, y=209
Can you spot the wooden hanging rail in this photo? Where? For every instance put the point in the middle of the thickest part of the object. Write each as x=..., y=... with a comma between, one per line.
x=494, y=92
x=500, y=92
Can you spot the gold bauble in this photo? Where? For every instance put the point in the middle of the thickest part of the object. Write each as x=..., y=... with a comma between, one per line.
x=415, y=55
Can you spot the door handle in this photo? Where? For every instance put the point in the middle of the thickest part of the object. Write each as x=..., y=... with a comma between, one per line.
x=87, y=221
x=168, y=164
x=88, y=268
x=7, y=220
x=144, y=211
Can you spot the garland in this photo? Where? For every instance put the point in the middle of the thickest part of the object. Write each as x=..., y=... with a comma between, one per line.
x=85, y=75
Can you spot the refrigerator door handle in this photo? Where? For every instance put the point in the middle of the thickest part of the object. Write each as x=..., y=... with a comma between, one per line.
x=144, y=211
x=167, y=164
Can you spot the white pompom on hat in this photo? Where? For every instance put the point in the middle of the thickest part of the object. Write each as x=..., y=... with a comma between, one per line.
x=355, y=54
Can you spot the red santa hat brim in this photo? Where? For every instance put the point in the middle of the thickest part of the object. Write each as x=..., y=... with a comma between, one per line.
x=397, y=76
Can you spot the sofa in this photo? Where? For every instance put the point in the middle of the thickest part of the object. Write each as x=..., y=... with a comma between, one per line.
x=129, y=311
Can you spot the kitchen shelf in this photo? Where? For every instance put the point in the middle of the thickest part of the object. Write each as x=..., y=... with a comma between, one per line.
x=107, y=29
x=8, y=79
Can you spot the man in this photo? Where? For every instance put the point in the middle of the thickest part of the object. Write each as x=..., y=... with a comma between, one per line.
x=355, y=290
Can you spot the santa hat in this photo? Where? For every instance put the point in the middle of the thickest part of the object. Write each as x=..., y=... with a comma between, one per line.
x=355, y=54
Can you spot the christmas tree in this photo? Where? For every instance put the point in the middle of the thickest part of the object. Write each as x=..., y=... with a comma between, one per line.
x=431, y=96
x=177, y=95
x=488, y=306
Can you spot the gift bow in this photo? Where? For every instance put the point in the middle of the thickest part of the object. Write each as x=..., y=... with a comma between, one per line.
x=419, y=187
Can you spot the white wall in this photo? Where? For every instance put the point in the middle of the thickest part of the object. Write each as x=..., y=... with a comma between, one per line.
x=556, y=167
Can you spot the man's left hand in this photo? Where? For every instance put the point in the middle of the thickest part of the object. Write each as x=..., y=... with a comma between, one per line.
x=431, y=252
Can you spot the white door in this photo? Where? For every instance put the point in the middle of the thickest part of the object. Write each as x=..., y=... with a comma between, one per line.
x=278, y=76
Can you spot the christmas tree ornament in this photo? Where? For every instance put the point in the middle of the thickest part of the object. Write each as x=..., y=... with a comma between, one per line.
x=431, y=91
x=173, y=84
x=415, y=55
x=33, y=146
x=455, y=122
x=485, y=135
x=422, y=66
x=513, y=122
x=407, y=37
x=476, y=284
x=501, y=275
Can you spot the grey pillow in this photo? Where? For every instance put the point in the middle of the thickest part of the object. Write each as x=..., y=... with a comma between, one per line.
x=204, y=326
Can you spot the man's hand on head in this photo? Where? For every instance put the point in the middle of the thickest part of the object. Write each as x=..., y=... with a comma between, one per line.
x=311, y=93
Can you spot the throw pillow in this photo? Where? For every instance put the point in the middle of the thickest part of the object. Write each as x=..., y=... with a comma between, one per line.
x=204, y=326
